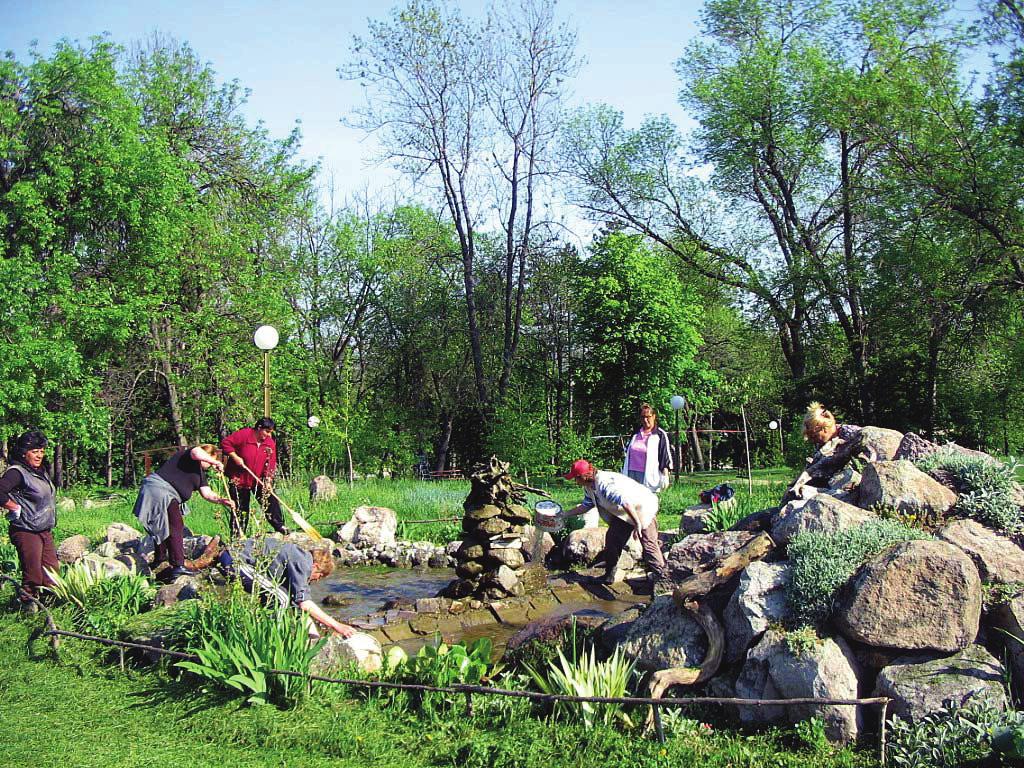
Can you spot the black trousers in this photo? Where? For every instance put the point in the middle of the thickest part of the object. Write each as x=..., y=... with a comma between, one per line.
x=243, y=501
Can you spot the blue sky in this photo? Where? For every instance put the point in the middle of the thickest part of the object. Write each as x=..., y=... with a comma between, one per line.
x=287, y=55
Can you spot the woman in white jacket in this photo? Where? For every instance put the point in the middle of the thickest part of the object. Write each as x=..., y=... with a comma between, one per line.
x=648, y=457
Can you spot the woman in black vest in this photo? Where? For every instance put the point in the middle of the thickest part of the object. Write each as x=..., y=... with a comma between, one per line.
x=28, y=496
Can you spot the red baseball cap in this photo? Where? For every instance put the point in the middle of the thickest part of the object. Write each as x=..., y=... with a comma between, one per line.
x=579, y=467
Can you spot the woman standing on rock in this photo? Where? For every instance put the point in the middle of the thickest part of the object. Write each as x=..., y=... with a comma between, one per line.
x=163, y=498
x=649, y=455
x=29, y=496
x=821, y=429
x=628, y=507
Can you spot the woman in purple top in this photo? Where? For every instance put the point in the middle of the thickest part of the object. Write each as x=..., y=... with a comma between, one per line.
x=649, y=455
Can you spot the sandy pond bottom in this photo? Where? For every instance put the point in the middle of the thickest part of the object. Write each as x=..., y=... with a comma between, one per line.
x=364, y=591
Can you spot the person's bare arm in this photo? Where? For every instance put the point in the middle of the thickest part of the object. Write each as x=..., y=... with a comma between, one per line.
x=214, y=498
x=635, y=517
x=199, y=454
x=318, y=615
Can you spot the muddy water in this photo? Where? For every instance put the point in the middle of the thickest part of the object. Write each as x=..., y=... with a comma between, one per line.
x=366, y=590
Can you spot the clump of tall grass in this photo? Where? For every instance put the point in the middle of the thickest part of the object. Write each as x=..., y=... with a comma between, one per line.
x=586, y=676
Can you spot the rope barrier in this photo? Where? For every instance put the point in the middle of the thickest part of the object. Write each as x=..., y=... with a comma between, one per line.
x=548, y=698
x=54, y=633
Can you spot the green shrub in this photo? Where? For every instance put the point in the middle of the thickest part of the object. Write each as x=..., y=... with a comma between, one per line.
x=586, y=676
x=823, y=562
x=985, y=488
x=73, y=582
x=111, y=602
x=239, y=641
x=8, y=557
x=722, y=517
x=947, y=738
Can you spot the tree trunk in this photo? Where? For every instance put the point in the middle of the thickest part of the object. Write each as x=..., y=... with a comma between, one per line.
x=58, y=465
x=698, y=453
x=444, y=440
x=164, y=352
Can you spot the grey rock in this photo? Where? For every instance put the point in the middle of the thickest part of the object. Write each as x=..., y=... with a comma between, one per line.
x=663, y=637
x=339, y=653
x=998, y=559
x=322, y=488
x=120, y=534
x=370, y=527
x=182, y=588
x=584, y=546
x=65, y=504
x=901, y=486
x=760, y=600
x=819, y=514
x=700, y=551
x=773, y=671
x=73, y=548
x=917, y=595
x=918, y=688
x=878, y=444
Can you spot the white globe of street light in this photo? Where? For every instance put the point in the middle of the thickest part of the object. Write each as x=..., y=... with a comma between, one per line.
x=678, y=402
x=313, y=422
x=773, y=424
x=265, y=338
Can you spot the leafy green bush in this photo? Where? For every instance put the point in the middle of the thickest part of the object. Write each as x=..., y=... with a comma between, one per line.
x=572, y=638
x=823, y=562
x=74, y=581
x=724, y=516
x=112, y=601
x=985, y=488
x=8, y=557
x=239, y=641
x=586, y=676
x=947, y=738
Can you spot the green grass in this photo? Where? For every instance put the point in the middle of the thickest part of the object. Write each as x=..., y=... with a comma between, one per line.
x=415, y=500
x=81, y=711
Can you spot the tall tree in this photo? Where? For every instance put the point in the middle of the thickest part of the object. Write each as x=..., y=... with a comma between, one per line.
x=472, y=106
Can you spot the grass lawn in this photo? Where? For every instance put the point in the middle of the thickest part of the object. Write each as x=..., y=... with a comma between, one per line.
x=413, y=500
x=83, y=712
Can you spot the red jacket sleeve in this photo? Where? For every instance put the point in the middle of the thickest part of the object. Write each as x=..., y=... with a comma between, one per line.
x=228, y=445
x=272, y=459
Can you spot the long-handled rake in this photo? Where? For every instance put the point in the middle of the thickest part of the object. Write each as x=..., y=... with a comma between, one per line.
x=299, y=519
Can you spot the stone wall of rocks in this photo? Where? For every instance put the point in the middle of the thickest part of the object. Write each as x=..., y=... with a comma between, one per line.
x=490, y=562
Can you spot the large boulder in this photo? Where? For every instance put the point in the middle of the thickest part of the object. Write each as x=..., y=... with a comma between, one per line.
x=1009, y=617
x=322, y=488
x=370, y=527
x=536, y=543
x=919, y=687
x=998, y=559
x=340, y=653
x=123, y=536
x=664, y=636
x=584, y=546
x=759, y=601
x=182, y=588
x=820, y=514
x=878, y=443
x=901, y=486
x=773, y=670
x=700, y=551
x=73, y=548
x=918, y=595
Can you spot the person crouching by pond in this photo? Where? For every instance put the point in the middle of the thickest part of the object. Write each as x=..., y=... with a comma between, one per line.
x=163, y=502
x=289, y=571
x=629, y=508
x=834, y=444
x=29, y=498
x=649, y=454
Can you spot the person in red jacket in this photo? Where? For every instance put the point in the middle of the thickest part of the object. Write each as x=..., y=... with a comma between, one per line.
x=252, y=448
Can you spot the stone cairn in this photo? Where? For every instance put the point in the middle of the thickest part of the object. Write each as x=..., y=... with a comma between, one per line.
x=490, y=563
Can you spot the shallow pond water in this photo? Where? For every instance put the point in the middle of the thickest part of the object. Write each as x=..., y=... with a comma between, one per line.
x=363, y=591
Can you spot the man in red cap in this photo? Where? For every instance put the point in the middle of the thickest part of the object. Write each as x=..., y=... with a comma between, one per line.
x=629, y=508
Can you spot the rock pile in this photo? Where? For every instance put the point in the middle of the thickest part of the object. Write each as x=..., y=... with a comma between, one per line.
x=490, y=562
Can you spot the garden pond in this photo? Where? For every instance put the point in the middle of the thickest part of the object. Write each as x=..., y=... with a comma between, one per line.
x=360, y=595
